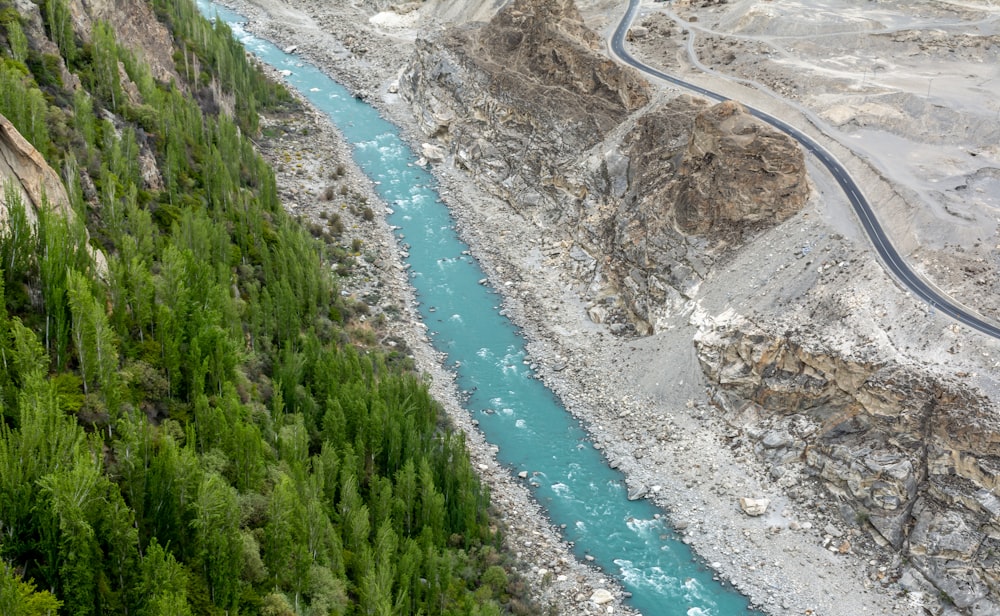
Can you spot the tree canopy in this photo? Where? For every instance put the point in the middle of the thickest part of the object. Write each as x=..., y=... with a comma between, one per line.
x=190, y=430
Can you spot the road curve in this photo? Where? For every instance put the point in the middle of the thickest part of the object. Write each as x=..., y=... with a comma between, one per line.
x=890, y=257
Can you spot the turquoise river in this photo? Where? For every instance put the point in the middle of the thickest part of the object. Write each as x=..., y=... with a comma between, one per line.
x=528, y=424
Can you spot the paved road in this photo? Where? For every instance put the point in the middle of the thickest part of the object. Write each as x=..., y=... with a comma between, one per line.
x=886, y=251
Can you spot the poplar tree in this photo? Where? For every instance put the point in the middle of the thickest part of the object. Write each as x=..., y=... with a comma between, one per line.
x=18, y=41
x=20, y=598
x=60, y=25
x=96, y=343
x=219, y=545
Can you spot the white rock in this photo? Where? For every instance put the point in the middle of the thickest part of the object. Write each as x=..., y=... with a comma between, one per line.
x=637, y=492
x=754, y=506
x=602, y=596
x=431, y=152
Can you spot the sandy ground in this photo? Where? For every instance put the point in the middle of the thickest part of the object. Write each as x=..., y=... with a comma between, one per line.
x=644, y=400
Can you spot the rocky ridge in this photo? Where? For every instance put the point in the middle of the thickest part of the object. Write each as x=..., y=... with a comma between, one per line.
x=642, y=195
x=907, y=456
x=23, y=169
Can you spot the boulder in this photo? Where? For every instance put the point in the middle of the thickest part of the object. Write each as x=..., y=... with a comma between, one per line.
x=638, y=492
x=432, y=153
x=602, y=596
x=754, y=506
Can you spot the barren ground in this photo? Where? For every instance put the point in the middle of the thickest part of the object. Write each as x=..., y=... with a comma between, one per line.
x=912, y=89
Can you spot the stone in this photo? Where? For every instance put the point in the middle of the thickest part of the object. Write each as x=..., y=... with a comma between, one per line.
x=638, y=492
x=431, y=152
x=776, y=439
x=754, y=506
x=598, y=314
x=636, y=32
x=602, y=596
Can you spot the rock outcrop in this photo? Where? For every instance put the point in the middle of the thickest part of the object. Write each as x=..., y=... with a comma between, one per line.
x=24, y=169
x=517, y=100
x=909, y=457
x=137, y=28
x=643, y=197
x=737, y=174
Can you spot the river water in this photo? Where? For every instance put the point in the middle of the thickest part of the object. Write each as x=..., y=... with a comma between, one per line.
x=516, y=412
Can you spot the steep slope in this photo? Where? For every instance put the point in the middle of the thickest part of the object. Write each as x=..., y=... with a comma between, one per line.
x=909, y=456
x=649, y=192
x=205, y=425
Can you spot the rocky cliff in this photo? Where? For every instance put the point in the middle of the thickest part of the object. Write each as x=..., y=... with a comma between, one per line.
x=517, y=100
x=909, y=457
x=643, y=195
x=737, y=174
x=24, y=169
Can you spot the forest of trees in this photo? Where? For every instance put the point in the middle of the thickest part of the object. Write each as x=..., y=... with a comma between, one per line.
x=190, y=430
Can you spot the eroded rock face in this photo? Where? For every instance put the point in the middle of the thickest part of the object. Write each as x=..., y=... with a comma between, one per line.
x=24, y=168
x=517, y=101
x=912, y=457
x=642, y=198
x=737, y=174
x=715, y=171
x=137, y=28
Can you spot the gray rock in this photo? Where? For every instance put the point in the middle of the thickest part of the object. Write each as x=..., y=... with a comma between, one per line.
x=638, y=492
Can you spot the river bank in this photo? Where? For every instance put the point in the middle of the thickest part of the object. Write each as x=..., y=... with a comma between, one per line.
x=655, y=424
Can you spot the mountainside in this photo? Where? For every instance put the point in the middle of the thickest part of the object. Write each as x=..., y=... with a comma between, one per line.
x=652, y=192
x=194, y=418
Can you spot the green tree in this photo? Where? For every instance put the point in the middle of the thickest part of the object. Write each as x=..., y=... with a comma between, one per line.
x=18, y=41
x=95, y=341
x=217, y=535
x=106, y=82
x=162, y=583
x=61, y=248
x=19, y=597
x=17, y=238
x=71, y=496
x=285, y=548
x=60, y=24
